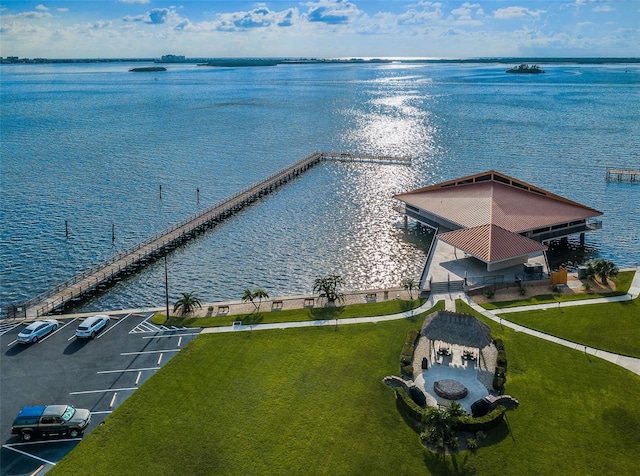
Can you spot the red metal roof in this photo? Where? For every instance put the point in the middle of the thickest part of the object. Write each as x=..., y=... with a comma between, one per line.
x=492, y=210
x=491, y=243
x=512, y=207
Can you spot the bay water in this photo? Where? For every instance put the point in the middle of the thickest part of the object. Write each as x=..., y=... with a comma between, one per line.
x=95, y=159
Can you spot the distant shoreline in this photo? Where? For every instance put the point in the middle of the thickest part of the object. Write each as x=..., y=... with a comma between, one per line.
x=227, y=62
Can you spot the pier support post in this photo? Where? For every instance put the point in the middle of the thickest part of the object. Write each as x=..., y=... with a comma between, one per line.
x=581, y=239
x=66, y=228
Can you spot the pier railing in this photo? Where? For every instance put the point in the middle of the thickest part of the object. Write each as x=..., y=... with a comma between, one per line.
x=175, y=234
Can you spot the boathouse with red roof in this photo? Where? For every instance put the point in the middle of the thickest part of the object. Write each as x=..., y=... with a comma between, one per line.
x=497, y=219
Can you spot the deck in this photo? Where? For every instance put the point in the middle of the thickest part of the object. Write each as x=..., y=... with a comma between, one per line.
x=623, y=174
x=135, y=258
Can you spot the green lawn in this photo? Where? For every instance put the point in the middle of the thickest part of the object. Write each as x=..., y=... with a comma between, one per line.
x=614, y=327
x=267, y=316
x=623, y=283
x=310, y=401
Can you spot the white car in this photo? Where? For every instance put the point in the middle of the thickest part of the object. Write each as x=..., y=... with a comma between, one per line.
x=91, y=326
x=37, y=330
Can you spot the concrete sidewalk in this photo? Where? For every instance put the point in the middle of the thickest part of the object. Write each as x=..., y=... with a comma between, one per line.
x=630, y=363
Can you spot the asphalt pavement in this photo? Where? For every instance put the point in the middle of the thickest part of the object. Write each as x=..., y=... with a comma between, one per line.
x=98, y=374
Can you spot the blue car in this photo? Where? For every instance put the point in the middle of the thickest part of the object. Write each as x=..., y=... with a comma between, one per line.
x=36, y=331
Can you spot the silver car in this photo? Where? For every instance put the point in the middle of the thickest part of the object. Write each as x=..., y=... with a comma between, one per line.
x=91, y=326
x=36, y=331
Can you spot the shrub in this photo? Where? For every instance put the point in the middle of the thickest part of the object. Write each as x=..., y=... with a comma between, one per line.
x=410, y=407
x=522, y=291
x=407, y=370
x=453, y=443
x=472, y=444
x=554, y=288
x=499, y=344
x=490, y=293
x=502, y=359
x=406, y=356
x=587, y=286
x=480, y=424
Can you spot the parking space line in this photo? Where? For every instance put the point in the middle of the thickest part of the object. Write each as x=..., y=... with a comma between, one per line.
x=180, y=341
x=103, y=391
x=159, y=359
x=10, y=447
x=150, y=352
x=111, y=327
x=113, y=399
x=172, y=335
x=127, y=370
x=106, y=412
x=138, y=377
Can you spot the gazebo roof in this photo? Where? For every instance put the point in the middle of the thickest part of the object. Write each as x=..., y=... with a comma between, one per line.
x=456, y=328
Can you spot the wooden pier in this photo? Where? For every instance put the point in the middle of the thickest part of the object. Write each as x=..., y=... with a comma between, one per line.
x=623, y=174
x=131, y=260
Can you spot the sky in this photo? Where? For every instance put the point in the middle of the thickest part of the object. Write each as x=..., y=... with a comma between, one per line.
x=320, y=28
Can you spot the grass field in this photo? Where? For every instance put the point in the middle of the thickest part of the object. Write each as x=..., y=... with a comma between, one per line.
x=311, y=401
x=614, y=327
x=383, y=308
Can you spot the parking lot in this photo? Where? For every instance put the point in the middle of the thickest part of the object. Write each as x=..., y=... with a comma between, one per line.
x=98, y=374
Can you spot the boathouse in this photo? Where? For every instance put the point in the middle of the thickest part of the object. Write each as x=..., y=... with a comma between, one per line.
x=497, y=219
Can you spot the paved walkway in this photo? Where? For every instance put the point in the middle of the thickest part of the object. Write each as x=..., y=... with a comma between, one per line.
x=629, y=363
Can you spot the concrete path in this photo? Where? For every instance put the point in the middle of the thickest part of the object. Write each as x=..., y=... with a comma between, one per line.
x=630, y=363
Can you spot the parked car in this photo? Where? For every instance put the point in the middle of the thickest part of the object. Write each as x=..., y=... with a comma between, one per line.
x=91, y=326
x=37, y=330
x=50, y=420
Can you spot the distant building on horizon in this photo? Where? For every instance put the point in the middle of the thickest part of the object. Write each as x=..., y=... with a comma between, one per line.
x=173, y=59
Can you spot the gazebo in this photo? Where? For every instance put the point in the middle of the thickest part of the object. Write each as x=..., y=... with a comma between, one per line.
x=457, y=329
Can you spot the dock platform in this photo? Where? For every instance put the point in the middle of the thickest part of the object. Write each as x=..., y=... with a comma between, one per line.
x=131, y=260
x=623, y=174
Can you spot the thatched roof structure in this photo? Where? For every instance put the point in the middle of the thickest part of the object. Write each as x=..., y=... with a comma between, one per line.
x=456, y=328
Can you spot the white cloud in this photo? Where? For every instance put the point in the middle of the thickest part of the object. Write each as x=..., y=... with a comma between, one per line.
x=604, y=8
x=41, y=8
x=516, y=12
x=135, y=1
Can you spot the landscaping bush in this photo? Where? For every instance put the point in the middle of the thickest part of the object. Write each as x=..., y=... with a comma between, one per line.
x=411, y=408
x=502, y=359
x=407, y=371
x=483, y=423
x=489, y=294
x=499, y=344
x=522, y=291
x=406, y=356
x=499, y=379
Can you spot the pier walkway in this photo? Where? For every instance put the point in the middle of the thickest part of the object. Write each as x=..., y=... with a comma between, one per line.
x=133, y=259
x=623, y=174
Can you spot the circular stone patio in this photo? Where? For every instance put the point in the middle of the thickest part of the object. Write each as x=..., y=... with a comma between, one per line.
x=450, y=389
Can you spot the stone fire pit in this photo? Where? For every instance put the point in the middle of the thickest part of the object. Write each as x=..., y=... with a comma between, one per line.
x=450, y=389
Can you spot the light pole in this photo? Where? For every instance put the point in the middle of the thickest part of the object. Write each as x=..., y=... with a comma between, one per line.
x=166, y=286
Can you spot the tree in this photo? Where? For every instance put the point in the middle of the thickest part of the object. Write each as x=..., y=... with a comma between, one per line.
x=409, y=284
x=329, y=287
x=187, y=304
x=604, y=269
x=439, y=423
x=260, y=294
x=248, y=296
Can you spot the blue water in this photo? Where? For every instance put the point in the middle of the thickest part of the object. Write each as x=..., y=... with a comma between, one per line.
x=91, y=144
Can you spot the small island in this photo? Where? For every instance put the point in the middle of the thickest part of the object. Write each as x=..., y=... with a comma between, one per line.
x=526, y=69
x=147, y=69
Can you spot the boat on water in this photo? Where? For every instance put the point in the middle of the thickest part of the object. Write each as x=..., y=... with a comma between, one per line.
x=148, y=69
x=525, y=68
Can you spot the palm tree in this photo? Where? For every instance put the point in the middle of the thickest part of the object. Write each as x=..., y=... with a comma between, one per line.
x=604, y=269
x=409, y=284
x=439, y=422
x=248, y=296
x=260, y=294
x=187, y=303
x=329, y=287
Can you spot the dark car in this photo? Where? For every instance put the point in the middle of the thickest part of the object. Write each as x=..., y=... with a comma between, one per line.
x=50, y=420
